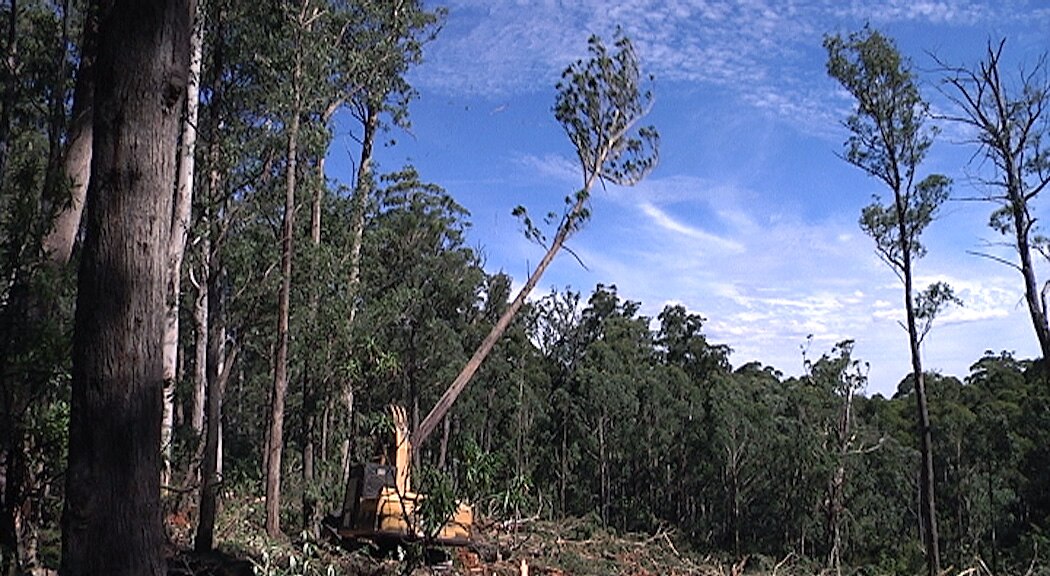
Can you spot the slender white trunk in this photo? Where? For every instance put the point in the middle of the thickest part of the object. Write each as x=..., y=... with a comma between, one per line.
x=180, y=224
x=200, y=347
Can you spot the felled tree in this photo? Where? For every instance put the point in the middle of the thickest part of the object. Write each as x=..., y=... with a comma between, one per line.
x=600, y=103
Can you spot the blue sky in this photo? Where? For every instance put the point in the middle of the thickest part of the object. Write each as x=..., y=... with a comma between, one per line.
x=750, y=219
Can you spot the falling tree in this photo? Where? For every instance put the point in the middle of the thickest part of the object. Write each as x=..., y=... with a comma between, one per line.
x=600, y=103
x=888, y=141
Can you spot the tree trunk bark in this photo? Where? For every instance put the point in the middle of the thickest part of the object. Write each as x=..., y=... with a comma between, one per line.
x=449, y=397
x=12, y=494
x=280, y=372
x=603, y=471
x=1033, y=297
x=180, y=227
x=112, y=518
x=76, y=166
x=347, y=455
x=210, y=245
x=10, y=92
x=200, y=345
x=218, y=373
x=927, y=500
x=837, y=483
x=446, y=431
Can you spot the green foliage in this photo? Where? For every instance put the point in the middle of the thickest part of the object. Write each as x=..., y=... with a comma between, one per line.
x=931, y=302
x=439, y=503
x=587, y=407
x=599, y=103
x=887, y=138
x=302, y=561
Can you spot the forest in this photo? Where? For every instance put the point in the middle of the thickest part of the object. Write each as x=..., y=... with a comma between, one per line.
x=202, y=330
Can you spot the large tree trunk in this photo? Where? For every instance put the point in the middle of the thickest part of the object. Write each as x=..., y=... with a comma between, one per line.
x=76, y=166
x=275, y=441
x=180, y=228
x=112, y=519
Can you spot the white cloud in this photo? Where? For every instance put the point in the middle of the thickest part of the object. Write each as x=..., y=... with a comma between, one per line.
x=766, y=285
x=760, y=50
x=551, y=166
x=666, y=222
x=766, y=274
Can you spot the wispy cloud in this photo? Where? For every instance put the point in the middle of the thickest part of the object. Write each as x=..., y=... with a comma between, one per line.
x=760, y=50
x=760, y=257
x=666, y=222
x=551, y=166
x=768, y=286
x=934, y=11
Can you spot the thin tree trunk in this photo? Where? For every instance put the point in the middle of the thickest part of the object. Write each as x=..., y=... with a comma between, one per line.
x=449, y=397
x=837, y=483
x=180, y=228
x=112, y=518
x=76, y=166
x=326, y=423
x=12, y=489
x=10, y=93
x=210, y=241
x=280, y=377
x=200, y=344
x=563, y=477
x=1022, y=228
x=362, y=191
x=218, y=373
x=54, y=188
x=347, y=455
x=446, y=431
x=1007, y=148
x=603, y=470
x=311, y=383
x=927, y=499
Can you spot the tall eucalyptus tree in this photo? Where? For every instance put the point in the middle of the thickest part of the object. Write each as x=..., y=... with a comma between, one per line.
x=888, y=141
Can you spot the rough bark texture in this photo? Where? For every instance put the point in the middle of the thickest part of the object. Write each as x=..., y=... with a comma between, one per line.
x=112, y=519
x=76, y=166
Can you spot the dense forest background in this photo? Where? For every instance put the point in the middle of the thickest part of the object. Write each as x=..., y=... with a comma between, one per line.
x=298, y=308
